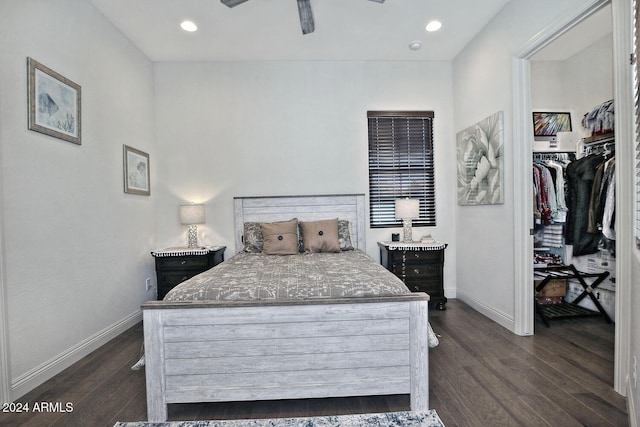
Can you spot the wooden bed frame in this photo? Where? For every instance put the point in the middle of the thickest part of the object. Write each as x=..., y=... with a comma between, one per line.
x=287, y=349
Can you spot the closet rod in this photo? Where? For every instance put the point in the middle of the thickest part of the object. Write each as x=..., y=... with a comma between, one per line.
x=598, y=144
x=554, y=155
x=599, y=147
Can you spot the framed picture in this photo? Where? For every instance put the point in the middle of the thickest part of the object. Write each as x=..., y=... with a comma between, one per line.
x=480, y=161
x=136, y=172
x=54, y=103
x=547, y=125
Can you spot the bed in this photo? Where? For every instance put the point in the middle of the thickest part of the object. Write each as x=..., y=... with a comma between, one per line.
x=259, y=343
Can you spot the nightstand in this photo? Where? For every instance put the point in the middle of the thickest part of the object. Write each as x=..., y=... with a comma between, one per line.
x=419, y=265
x=175, y=265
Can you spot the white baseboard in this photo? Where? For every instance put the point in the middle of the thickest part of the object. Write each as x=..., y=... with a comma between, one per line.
x=38, y=375
x=631, y=405
x=493, y=314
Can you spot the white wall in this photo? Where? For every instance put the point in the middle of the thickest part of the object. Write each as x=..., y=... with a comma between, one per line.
x=576, y=84
x=286, y=128
x=482, y=81
x=76, y=248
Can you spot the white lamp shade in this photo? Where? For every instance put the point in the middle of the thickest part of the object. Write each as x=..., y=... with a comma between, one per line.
x=407, y=208
x=192, y=214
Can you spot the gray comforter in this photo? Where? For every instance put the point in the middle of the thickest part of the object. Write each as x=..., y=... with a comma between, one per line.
x=265, y=277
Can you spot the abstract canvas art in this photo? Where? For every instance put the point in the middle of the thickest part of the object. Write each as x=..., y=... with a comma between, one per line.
x=480, y=162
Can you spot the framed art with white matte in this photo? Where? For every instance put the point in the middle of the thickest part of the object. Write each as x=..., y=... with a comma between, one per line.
x=54, y=103
x=136, y=171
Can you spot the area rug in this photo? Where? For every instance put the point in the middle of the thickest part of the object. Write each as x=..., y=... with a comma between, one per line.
x=390, y=419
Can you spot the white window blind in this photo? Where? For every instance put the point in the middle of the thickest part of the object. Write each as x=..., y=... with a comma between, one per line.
x=401, y=165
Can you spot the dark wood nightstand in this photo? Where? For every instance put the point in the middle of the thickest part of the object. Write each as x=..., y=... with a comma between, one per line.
x=419, y=265
x=175, y=265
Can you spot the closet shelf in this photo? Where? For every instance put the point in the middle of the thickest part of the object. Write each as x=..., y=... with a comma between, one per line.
x=605, y=137
x=589, y=281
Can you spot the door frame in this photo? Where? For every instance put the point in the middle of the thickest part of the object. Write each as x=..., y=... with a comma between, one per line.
x=523, y=196
x=5, y=383
x=5, y=371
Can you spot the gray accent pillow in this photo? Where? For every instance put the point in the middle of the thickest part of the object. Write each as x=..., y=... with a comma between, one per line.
x=344, y=235
x=252, y=238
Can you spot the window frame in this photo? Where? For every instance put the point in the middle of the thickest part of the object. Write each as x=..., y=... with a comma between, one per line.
x=636, y=74
x=401, y=164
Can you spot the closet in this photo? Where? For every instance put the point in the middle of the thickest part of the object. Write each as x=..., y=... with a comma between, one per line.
x=574, y=217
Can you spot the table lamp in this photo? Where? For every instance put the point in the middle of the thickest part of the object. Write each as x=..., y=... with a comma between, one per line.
x=406, y=210
x=191, y=215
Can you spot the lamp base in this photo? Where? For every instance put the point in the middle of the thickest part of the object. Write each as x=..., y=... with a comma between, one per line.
x=192, y=234
x=407, y=229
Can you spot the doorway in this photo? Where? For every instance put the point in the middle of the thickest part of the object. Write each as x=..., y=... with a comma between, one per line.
x=523, y=129
x=572, y=94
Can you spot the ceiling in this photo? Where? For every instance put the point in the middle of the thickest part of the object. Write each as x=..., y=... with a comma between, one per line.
x=583, y=34
x=344, y=29
x=270, y=29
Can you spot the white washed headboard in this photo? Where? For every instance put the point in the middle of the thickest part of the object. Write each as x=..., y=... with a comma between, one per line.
x=305, y=208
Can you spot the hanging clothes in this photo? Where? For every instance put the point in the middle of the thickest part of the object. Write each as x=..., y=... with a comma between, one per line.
x=607, y=242
x=542, y=193
x=609, y=190
x=591, y=203
x=596, y=205
x=580, y=177
x=549, y=191
x=560, y=183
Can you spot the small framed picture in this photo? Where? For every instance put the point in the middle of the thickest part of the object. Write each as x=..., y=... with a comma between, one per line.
x=136, y=172
x=547, y=125
x=54, y=103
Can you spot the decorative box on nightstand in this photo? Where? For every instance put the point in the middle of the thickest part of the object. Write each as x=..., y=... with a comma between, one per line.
x=175, y=265
x=419, y=265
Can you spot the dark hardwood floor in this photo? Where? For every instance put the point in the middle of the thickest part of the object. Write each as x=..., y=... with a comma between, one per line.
x=480, y=375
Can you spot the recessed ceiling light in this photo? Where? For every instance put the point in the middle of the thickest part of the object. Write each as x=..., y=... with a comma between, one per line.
x=188, y=26
x=415, y=45
x=433, y=26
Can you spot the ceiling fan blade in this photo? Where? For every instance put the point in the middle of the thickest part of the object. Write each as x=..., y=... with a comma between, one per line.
x=233, y=3
x=378, y=1
x=306, y=16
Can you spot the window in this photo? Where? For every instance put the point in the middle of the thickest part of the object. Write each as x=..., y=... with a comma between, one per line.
x=637, y=111
x=400, y=165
